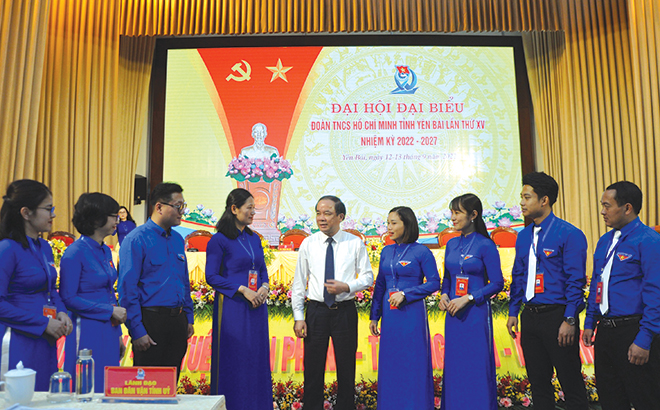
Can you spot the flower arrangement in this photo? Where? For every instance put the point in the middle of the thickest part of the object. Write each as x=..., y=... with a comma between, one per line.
x=279, y=300
x=200, y=215
x=500, y=302
x=374, y=247
x=363, y=300
x=58, y=246
x=270, y=169
x=186, y=386
x=269, y=254
x=288, y=395
x=513, y=392
x=202, y=296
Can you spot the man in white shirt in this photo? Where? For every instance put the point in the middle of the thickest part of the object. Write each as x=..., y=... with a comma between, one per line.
x=332, y=266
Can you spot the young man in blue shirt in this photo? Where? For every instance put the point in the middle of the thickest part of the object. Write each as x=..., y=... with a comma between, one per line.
x=548, y=276
x=624, y=302
x=154, y=286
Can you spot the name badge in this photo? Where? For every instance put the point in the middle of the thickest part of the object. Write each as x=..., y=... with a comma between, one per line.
x=391, y=292
x=462, y=285
x=50, y=311
x=252, y=280
x=538, y=283
x=599, y=292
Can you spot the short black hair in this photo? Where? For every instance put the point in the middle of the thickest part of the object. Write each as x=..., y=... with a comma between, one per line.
x=410, y=224
x=163, y=192
x=340, y=208
x=627, y=193
x=543, y=185
x=92, y=210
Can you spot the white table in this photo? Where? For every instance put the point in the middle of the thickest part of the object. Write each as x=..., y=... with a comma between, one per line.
x=186, y=402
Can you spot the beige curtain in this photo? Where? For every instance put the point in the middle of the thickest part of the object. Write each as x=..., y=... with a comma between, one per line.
x=78, y=115
x=23, y=30
x=197, y=17
x=644, y=20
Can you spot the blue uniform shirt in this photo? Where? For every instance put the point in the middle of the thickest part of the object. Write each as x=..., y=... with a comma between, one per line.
x=634, y=284
x=87, y=279
x=152, y=272
x=411, y=264
x=561, y=256
x=24, y=277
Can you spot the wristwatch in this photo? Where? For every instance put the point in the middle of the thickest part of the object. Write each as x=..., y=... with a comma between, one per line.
x=403, y=294
x=570, y=320
x=470, y=297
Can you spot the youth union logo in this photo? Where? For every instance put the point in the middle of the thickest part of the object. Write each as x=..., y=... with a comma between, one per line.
x=405, y=79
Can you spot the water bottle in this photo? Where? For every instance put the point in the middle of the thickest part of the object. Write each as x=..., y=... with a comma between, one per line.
x=85, y=376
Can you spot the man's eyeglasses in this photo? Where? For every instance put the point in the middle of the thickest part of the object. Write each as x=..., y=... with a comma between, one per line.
x=50, y=209
x=115, y=216
x=179, y=208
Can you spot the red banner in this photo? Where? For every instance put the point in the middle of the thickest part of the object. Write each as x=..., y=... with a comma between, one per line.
x=259, y=85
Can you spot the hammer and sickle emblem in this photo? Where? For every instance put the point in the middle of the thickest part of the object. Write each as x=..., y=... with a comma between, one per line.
x=238, y=68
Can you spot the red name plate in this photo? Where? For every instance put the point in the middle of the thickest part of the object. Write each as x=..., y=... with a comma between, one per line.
x=285, y=247
x=140, y=381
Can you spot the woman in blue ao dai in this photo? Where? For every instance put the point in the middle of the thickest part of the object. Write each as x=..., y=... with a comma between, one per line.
x=405, y=372
x=32, y=315
x=87, y=278
x=235, y=267
x=472, y=275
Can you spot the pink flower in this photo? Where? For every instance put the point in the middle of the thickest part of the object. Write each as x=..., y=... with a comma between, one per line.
x=526, y=401
x=432, y=225
x=198, y=294
x=506, y=402
x=290, y=223
x=361, y=407
x=327, y=405
x=296, y=406
x=561, y=394
x=381, y=229
x=506, y=222
x=288, y=294
x=275, y=407
x=436, y=402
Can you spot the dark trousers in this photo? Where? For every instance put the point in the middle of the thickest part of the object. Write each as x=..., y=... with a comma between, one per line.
x=170, y=332
x=341, y=325
x=538, y=337
x=619, y=382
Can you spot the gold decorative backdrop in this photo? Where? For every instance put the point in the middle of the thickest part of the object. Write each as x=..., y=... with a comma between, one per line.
x=74, y=79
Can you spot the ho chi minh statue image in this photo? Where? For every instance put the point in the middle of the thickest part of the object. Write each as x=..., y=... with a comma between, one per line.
x=259, y=149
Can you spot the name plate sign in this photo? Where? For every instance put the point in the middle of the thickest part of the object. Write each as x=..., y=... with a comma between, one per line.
x=140, y=381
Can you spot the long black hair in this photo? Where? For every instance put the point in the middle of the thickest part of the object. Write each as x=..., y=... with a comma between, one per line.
x=128, y=214
x=227, y=223
x=21, y=193
x=471, y=203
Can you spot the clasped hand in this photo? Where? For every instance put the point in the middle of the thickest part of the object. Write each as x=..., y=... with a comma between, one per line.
x=452, y=306
x=257, y=298
x=59, y=327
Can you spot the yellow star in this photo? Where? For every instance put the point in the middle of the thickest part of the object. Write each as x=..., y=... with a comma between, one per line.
x=279, y=71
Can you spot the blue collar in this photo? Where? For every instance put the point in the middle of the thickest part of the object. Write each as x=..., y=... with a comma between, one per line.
x=628, y=227
x=546, y=222
x=157, y=228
